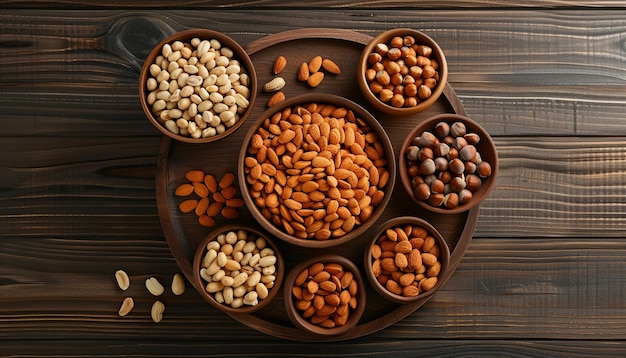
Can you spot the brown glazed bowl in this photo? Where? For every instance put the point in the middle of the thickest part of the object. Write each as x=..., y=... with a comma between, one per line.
x=290, y=211
x=148, y=96
x=420, y=229
x=294, y=304
x=410, y=77
x=450, y=174
x=252, y=234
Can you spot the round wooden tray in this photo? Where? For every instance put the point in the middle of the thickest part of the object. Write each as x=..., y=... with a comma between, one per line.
x=183, y=233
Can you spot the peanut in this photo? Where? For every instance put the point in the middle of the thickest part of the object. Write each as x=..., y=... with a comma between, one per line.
x=127, y=305
x=237, y=264
x=122, y=279
x=306, y=179
x=178, y=284
x=407, y=267
x=326, y=303
x=154, y=286
x=157, y=311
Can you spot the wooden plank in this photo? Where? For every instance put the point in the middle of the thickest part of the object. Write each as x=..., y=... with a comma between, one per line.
x=572, y=84
x=336, y=4
x=494, y=294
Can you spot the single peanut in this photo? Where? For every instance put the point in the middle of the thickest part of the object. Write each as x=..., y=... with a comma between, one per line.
x=127, y=305
x=122, y=279
x=154, y=286
x=178, y=284
x=157, y=311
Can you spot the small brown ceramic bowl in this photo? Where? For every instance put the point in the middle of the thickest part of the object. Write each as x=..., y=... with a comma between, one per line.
x=313, y=306
x=452, y=183
x=426, y=254
x=285, y=181
x=189, y=97
x=410, y=63
x=206, y=265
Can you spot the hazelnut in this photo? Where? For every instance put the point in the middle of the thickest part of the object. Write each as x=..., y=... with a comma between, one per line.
x=374, y=57
x=472, y=182
x=457, y=184
x=451, y=200
x=442, y=129
x=383, y=78
x=437, y=186
x=397, y=100
x=436, y=199
x=396, y=42
x=422, y=192
x=457, y=129
x=412, y=153
x=465, y=196
x=483, y=169
x=381, y=49
x=468, y=152
x=441, y=150
x=425, y=153
x=427, y=139
x=428, y=167
x=423, y=92
x=441, y=163
x=472, y=138
x=424, y=50
x=408, y=40
x=410, y=102
x=395, y=53
x=456, y=166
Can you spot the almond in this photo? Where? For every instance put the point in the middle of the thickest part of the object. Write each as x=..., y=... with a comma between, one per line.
x=427, y=284
x=332, y=299
x=210, y=182
x=330, y=66
x=230, y=213
x=393, y=287
x=326, y=310
x=401, y=260
x=229, y=192
x=215, y=208
x=276, y=98
x=315, y=64
x=235, y=203
x=279, y=64
x=403, y=247
x=429, y=259
x=206, y=220
x=188, y=206
x=333, y=268
x=414, y=259
x=315, y=79
x=227, y=180
x=410, y=291
x=184, y=190
x=200, y=189
x=303, y=72
x=388, y=264
x=328, y=286
x=406, y=279
x=202, y=206
x=195, y=175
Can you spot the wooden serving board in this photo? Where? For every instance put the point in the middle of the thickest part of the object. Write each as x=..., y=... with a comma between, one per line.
x=183, y=233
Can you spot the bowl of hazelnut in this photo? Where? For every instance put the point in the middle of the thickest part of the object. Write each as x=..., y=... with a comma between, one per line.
x=402, y=71
x=407, y=259
x=197, y=86
x=448, y=163
x=325, y=295
x=316, y=170
x=238, y=269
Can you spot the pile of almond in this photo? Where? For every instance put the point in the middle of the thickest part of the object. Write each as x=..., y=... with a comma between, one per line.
x=325, y=294
x=213, y=197
x=405, y=260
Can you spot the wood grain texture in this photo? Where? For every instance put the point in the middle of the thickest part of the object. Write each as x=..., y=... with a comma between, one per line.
x=543, y=275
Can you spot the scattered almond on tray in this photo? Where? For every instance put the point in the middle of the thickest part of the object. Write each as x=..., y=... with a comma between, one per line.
x=211, y=197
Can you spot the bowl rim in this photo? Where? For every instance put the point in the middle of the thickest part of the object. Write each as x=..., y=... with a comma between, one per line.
x=301, y=322
x=444, y=258
x=485, y=141
x=241, y=55
x=384, y=37
x=200, y=283
x=328, y=99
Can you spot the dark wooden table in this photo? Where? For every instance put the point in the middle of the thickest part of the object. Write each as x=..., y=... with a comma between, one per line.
x=544, y=272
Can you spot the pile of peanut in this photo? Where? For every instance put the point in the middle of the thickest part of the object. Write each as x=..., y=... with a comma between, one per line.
x=197, y=89
x=213, y=197
x=405, y=260
x=316, y=171
x=239, y=268
x=445, y=166
x=402, y=73
x=325, y=294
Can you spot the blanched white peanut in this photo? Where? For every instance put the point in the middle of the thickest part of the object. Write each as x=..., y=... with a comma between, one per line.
x=154, y=286
x=238, y=270
x=198, y=70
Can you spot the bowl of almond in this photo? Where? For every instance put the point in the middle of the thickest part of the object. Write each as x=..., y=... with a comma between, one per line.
x=325, y=295
x=316, y=170
x=238, y=269
x=406, y=260
x=197, y=86
x=402, y=72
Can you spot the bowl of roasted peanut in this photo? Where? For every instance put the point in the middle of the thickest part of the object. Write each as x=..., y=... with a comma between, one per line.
x=402, y=71
x=316, y=170
x=197, y=86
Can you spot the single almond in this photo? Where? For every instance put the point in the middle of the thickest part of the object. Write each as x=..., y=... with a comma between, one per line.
x=235, y=203
x=315, y=64
x=184, y=190
x=229, y=192
x=227, y=180
x=210, y=182
x=202, y=206
x=230, y=212
x=195, y=175
x=315, y=79
x=276, y=98
x=330, y=66
x=279, y=64
x=200, y=189
x=215, y=208
x=303, y=72
x=187, y=206
x=206, y=220
x=127, y=305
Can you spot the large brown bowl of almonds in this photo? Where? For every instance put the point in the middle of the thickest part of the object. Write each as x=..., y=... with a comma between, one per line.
x=402, y=72
x=316, y=170
x=197, y=86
